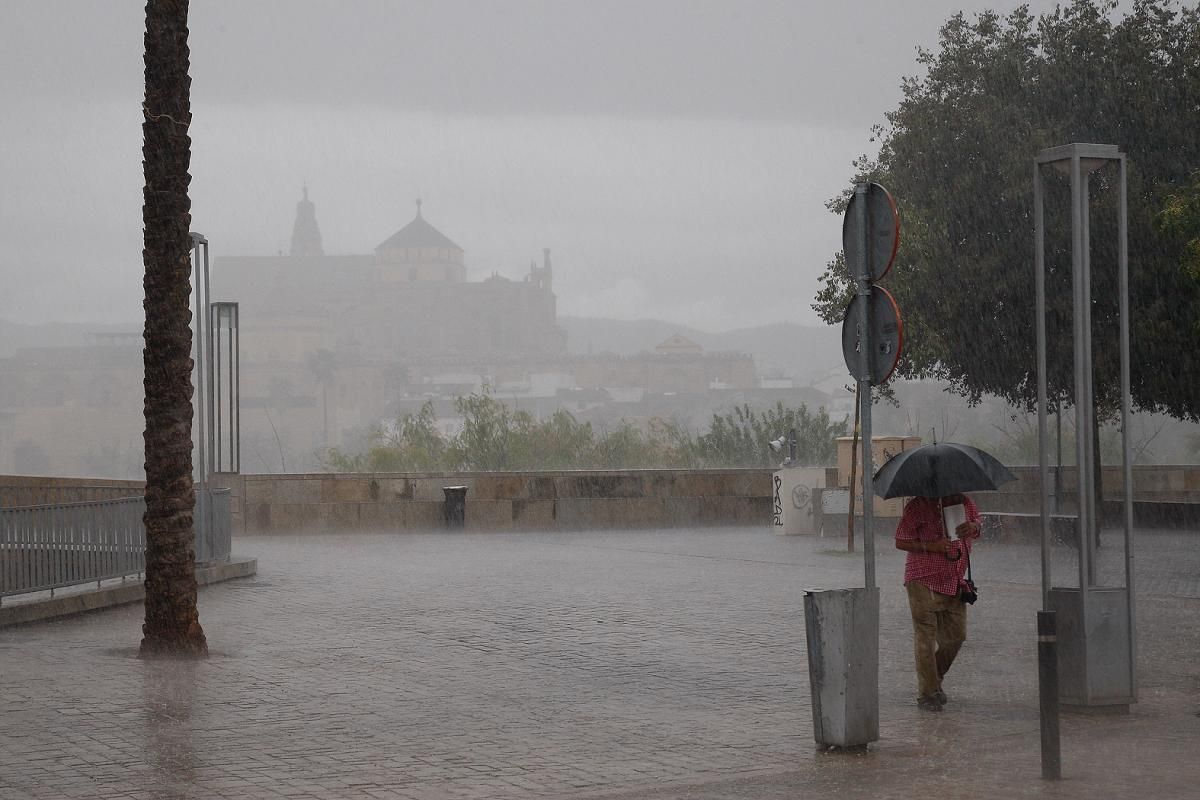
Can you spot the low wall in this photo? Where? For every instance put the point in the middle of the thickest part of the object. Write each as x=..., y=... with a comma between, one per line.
x=33, y=490
x=501, y=501
x=1174, y=487
x=1166, y=495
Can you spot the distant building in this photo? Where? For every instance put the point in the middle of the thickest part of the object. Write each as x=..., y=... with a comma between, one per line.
x=334, y=345
x=677, y=345
x=410, y=299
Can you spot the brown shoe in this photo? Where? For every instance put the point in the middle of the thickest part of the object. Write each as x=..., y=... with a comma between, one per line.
x=940, y=696
x=930, y=703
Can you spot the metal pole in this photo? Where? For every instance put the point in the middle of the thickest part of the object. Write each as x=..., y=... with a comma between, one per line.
x=1126, y=463
x=228, y=382
x=854, y=438
x=1081, y=422
x=1058, y=461
x=214, y=330
x=210, y=381
x=235, y=344
x=201, y=300
x=1096, y=517
x=1048, y=694
x=864, y=291
x=1039, y=278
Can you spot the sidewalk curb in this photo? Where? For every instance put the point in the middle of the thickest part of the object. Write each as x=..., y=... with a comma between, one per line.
x=109, y=596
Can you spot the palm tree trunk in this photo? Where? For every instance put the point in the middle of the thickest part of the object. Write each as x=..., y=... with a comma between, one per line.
x=172, y=625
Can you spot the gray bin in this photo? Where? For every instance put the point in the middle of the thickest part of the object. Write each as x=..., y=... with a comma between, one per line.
x=1094, y=647
x=455, y=506
x=842, y=627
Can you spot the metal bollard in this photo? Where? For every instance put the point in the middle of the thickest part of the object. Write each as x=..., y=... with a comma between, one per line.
x=1048, y=694
x=455, y=507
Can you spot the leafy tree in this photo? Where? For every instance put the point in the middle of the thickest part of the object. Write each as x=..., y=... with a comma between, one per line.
x=495, y=438
x=957, y=154
x=413, y=444
x=1180, y=216
x=172, y=624
x=559, y=442
x=664, y=444
x=486, y=439
x=740, y=437
x=418, y=436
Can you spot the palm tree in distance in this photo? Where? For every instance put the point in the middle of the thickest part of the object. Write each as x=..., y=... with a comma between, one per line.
x=322, y=364
x=172, y=625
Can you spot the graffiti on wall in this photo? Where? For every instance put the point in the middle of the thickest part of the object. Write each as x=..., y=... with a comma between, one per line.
x=777, y=520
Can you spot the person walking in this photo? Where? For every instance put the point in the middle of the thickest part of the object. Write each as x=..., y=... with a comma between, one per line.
x=934, y=572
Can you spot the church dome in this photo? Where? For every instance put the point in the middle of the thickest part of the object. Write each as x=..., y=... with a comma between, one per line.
x=418, y=234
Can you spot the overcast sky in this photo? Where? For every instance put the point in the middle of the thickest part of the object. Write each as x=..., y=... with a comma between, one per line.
x=675, y=156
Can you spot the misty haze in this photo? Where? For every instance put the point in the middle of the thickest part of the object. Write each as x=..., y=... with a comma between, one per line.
x=530, y=374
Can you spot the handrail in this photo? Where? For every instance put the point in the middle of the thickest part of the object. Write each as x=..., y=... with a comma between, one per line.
x=55, y=545
x=64, y=544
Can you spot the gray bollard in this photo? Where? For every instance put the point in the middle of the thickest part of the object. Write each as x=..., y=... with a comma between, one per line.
x=455, y=506
x=1048, y=694
x=842, y=631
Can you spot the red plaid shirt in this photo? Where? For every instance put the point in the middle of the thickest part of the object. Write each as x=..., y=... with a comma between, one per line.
x=922, y=521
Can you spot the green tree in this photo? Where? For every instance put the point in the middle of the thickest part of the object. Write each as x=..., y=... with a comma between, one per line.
x=665, y=443
x=739, y=438
x=486, y=439
x=957, y=154
x=413, y=444
x=558, y=442
x=172, y=624
x=496, y=438
x=1180, y=217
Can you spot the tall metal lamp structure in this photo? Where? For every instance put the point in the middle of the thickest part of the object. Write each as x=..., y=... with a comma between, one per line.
x=225, y=419
x=1096, y=624
x=201, y=347
x=216, y=343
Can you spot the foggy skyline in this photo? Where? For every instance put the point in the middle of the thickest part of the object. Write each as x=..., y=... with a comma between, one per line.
x=674, y=156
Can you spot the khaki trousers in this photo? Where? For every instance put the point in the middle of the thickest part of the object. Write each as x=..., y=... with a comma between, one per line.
x=939, y=629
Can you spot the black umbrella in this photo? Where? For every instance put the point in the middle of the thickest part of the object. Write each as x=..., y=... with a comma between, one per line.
x=937, y=470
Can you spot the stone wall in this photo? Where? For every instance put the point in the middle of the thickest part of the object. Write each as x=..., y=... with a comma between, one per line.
x=591, y=500
x=29, y=490
x=501, y=501
x=1152, y=483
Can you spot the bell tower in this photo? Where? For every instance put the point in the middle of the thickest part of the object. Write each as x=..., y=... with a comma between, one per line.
x=306, y=236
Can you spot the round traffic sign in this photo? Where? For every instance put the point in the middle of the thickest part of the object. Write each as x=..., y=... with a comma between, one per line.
x=887, y=335
x=883, y=232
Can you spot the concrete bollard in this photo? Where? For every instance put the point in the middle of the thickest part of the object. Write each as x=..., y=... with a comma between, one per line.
x=842, y=630
x=1048, y=694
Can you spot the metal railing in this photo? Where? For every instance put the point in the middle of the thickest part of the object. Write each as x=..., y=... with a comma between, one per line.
x=35, y=495
x=55, y=545
x=64, y=544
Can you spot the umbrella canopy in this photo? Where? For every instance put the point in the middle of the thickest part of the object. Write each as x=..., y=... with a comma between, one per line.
x=937, y=470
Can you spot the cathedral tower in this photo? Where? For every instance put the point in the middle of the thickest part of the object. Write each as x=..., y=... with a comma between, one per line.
x=306, y=236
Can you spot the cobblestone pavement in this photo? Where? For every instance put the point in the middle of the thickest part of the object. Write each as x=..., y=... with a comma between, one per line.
x=593, y=665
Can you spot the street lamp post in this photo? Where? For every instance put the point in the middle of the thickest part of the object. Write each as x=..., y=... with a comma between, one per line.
x=1096, y=624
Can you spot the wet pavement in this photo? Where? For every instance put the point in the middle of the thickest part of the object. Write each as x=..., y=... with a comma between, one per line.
x=591, y=665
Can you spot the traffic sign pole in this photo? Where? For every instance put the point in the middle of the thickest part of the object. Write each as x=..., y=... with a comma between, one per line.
x=863, y=276
x=842, y=625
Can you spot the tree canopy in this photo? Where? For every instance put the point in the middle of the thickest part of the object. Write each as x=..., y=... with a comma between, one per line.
x=957, y=155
